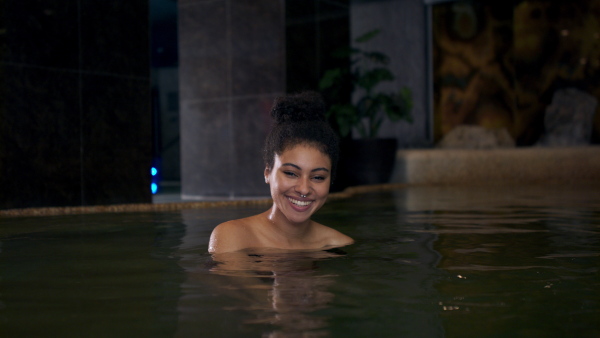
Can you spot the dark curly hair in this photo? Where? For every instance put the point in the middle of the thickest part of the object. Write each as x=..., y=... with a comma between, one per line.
x=300, y=119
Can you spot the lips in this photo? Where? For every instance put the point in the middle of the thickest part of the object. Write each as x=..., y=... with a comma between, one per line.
x=298, y=203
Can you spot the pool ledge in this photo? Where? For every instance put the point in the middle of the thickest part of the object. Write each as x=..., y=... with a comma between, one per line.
x=532, y=165
x=174, y=206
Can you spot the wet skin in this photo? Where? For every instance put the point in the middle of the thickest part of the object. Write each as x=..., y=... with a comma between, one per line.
x=298, y=172
x=299, y=183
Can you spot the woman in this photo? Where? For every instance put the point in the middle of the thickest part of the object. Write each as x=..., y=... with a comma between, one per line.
x=300, y=154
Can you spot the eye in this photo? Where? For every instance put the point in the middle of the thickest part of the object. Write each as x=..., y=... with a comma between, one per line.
x=290, y=174
x=319, y=178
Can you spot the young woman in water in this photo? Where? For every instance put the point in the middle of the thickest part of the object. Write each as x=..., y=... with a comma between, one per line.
x=301, y=154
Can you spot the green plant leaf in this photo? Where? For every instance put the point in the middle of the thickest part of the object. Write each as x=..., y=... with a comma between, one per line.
x=391, y=109
x=373, y=77
x=375, y=125
x=330, y=78
x=345, y=116
x=404, y=99
x=342, y=53
x=365, y=107
x=368, y=36
x=371, y=106
x=377, y=57
x=397, y=106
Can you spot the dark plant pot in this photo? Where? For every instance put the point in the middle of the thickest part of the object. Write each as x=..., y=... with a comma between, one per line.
x=365, y=161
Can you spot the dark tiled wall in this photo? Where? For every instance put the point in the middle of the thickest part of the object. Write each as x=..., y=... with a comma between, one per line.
x=315, y=31
x=232, y=67
x=75, y=122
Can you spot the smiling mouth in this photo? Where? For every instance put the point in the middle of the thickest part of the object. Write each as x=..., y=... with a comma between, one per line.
x=299, y=203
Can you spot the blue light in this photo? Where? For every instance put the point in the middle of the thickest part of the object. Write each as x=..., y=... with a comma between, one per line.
x=154, y=171
x=154, y=188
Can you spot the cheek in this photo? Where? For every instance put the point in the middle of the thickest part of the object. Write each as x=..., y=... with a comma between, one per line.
x=277, y=184
x=322, y=189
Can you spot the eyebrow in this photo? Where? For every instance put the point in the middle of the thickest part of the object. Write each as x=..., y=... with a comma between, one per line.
x=297, y=167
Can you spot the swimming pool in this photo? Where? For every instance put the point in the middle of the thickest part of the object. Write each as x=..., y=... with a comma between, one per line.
x=428, y=262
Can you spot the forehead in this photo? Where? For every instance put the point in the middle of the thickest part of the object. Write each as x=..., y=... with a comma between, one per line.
x=303, y=155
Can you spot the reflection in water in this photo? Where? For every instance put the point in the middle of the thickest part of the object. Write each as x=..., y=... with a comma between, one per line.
x=295, y=288
x=427, y=262
x=277, y=292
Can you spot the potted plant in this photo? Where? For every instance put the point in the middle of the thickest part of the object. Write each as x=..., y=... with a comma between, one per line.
x=357, y=105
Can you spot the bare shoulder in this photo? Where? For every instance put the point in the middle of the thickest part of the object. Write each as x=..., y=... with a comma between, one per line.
x=334, y=237
x=230, y=236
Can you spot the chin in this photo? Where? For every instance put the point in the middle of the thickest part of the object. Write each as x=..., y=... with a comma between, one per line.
x=295, y=216
x=300, y=219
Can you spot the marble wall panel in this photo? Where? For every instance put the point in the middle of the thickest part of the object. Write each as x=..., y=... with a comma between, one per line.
x=258, y=47
x=40, y=138
x=232, y=65
x=116, y=134
x=204, y=50
x=207, y=147
x=251, y=123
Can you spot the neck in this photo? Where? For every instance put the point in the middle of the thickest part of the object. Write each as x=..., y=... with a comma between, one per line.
x=285, y=228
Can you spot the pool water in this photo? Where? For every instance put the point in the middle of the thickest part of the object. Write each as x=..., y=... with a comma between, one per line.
x=427, y=262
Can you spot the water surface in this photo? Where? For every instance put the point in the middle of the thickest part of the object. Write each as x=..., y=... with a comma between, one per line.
x=428, y=262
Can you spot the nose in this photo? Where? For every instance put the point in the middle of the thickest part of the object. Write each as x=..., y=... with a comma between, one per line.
x=303, y=186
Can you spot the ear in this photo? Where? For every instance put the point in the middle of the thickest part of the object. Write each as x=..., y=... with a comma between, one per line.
x=267, y=173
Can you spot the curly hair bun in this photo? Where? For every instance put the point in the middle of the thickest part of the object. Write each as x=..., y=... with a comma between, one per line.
x=305, y=106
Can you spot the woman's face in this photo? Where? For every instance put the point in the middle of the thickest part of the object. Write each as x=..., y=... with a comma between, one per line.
x=299, y=171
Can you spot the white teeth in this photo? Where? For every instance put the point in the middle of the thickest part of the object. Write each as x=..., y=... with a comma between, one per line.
x=299, y=203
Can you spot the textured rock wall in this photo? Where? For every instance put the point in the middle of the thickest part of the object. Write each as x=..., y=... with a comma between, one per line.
x=499, y=64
